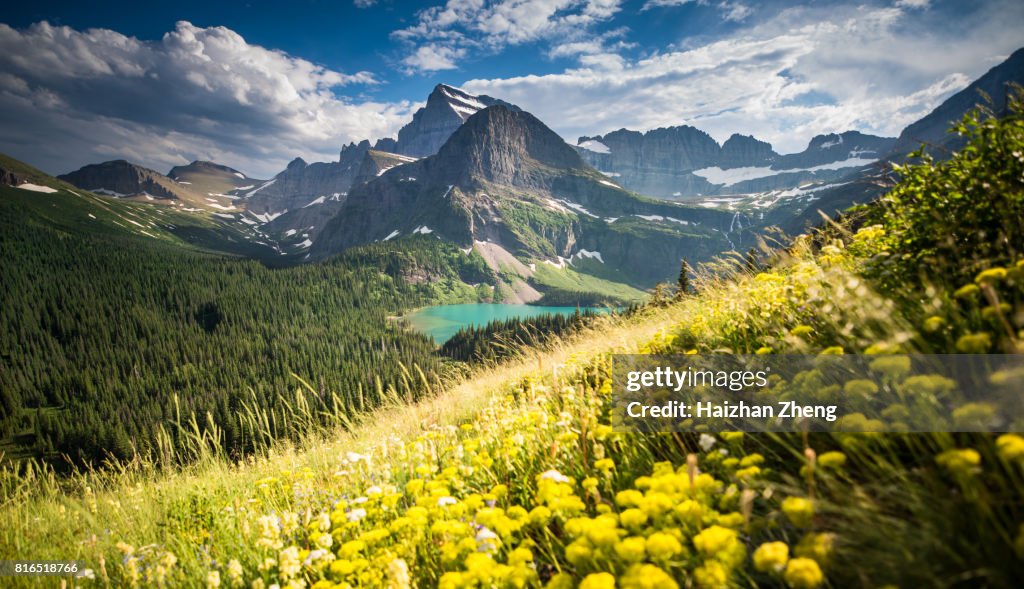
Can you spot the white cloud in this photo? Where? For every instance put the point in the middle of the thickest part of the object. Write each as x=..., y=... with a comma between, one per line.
x=805, y=71
x=664, y=3
x=460, y=25
x=433, y=57
x=195, y=93
x=734, y=11
x=364, y=3
x=730, y=10
x=913, y=3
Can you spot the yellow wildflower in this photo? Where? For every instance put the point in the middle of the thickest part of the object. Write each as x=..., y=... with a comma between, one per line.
x=712, y=575
x=1010, y=447
x=960, y=462
x=771, y=557
x=598, y=581
x=803, y=573
x=646, y=576
x=632, y=549
x=798, y=510
x=662, y=546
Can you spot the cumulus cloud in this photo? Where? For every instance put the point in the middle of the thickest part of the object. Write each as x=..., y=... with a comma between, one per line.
x=70, y=97
x=805, y=71
x=433, y=58
x=444, y=34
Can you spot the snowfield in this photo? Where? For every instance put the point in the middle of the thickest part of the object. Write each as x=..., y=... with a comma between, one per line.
x=595, y=146
x=716, y=175
x=36, y=188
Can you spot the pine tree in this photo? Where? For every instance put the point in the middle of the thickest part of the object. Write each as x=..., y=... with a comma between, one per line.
x=683, y=283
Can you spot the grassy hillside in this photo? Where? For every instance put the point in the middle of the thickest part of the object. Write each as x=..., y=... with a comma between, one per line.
x=515, y=478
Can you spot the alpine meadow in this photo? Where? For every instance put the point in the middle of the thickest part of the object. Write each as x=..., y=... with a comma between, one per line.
x=375, y=329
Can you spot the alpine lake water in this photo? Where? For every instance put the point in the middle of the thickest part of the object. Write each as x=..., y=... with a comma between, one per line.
x=441, y=322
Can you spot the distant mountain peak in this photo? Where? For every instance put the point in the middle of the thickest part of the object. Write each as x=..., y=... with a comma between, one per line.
x=205, y=166
x=125, y=179
x=446, y=110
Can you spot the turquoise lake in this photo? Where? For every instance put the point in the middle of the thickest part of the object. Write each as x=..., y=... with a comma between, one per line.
x=443, y=321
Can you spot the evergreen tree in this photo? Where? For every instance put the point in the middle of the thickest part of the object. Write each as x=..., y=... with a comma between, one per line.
x=683, y=283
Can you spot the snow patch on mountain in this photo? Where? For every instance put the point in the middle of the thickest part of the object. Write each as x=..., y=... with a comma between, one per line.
x=662, y=218
x=108, y=192
x=267, y=217
x=716, y=175
x=595, y=146
x=262, y=186
x=36, y=187
x=576, y=207
x=589, y=255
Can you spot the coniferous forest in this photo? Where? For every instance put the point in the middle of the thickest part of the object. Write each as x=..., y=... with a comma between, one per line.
x=504, y=338
x=108, y=340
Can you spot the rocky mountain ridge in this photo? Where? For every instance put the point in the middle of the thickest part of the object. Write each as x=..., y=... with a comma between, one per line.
x=685, y=163
x=124, y=179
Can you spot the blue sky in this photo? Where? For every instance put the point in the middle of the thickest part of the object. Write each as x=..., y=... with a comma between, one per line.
x=253, y=84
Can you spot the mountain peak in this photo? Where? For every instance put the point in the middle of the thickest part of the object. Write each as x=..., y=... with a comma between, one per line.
x=507, y=146
x=297, y=164
x=447, y=108
x=201, y=165
x=745, y=150
x=126, y=179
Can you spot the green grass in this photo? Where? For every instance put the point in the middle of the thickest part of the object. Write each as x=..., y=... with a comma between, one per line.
x=581, y=280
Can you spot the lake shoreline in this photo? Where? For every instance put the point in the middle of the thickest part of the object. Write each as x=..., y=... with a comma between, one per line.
x=441, y=322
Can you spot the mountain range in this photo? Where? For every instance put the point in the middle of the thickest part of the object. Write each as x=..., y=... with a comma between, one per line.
x=685, y=163
x=608, y=215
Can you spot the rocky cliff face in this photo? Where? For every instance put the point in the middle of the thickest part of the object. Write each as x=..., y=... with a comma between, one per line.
x=659, y=162
x=740, y=151
x=447, y=108
x=125, y=179
x=506, y=147
x=301, y=183
x=836, y=147
x=683, y=163
x=10, y=178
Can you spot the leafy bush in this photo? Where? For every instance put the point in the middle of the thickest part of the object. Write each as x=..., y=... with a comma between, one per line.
x=950, y=220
